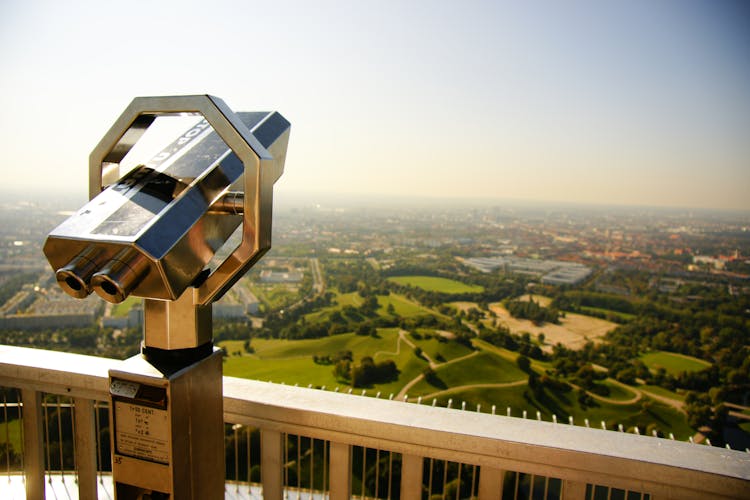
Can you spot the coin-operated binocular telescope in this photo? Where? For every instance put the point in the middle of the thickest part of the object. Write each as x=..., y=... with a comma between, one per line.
x=155, y=233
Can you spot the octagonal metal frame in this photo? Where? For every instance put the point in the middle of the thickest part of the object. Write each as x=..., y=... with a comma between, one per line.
x=259, y=175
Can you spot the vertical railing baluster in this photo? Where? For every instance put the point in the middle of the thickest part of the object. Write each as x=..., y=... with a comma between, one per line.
x=364, y=470
x=532, y=478
x=59, y=439
x=285, y=464
x=73, y=428
x=33, y=447
x=411, y=477
x=445, y=477
x=490, y=483
x=299, y=465
x=340, y=471
x=46, y=440
x=377, y=472
x=573, y=490
x=98, y=431
x=85, y=447
x=271, y=443
x=325, y=466
x=249, y=457
x=473, y=480
x=390, y=474
x=7, y=434
x=21, y=421
x=458, y=489
x=429, y=479
x=235, y=430
x=312, y=466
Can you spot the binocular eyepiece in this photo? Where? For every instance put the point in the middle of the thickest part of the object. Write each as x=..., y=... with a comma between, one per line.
x=152, y=232
x=113, y=281
x=75, y=276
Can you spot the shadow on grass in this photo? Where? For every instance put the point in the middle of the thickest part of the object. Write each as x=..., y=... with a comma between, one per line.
x=434, y=380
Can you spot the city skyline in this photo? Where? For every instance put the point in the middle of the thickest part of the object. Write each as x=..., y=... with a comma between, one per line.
x=623, y=103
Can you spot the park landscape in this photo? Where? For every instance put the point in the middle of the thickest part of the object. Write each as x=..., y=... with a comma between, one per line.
x=438, y=366
x=386, y=304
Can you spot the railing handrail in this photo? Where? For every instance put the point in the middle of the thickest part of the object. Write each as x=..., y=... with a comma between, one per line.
x=628, y=461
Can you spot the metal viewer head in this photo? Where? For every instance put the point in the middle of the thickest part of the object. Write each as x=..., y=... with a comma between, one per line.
x=152, y=231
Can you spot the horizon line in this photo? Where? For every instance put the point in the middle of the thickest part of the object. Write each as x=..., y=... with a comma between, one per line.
x=424, y=199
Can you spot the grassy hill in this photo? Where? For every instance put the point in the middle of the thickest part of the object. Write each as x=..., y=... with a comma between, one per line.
x=435, y=284
x=437, y=347
x=660, y=416
x=673, y=363
x=463, y=374
x=482, y=368
x=291, y=361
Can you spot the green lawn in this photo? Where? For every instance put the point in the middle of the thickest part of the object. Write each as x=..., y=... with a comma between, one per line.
x=484, y=368
x=13, y=430
x=433, y=284
x=121, y=310
x=538, y=366
x=349, y=299
x=410, y=367
x=289, y=371
x=359, y=345
x=660, y=391
x=435, y=349
x=402, y=306
x=659, y=416
x=290, y=361
x=617, y=391
x=341, y=300
x=674, y=364
x=274, y=296
x=621, y=315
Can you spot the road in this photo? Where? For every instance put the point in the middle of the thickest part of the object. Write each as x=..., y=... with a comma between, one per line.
x=318, y=285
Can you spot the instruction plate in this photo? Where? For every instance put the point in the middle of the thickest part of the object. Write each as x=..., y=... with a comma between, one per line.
x=141, y=432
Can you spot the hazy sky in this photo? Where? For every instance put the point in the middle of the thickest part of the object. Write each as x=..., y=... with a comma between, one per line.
x=622, y=102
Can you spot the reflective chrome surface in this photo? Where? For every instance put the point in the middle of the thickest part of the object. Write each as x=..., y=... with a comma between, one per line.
x=76, y=275
x=167, y=218
x=120, y=276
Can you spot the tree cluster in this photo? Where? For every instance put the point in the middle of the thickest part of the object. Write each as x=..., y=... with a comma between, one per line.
x=531, y=310
x=367, y=372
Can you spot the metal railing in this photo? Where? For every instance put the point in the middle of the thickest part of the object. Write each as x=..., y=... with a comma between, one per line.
x=292, y=442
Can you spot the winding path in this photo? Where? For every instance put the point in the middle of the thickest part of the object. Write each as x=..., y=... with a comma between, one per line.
x=394, y=353
x=460, y=388
x=622, y=402
x=405, y=389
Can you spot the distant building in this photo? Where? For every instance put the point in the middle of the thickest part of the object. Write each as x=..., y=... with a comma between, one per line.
x=551, y=272
x=237, y=304
x=229, y=311
x=252, y=307
x=134, y=319
x=569, y=275
x=269, y=276
x=20, y=301
x=708, y=261
x=117, y=322
x=34, y=310
x=39, y=321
